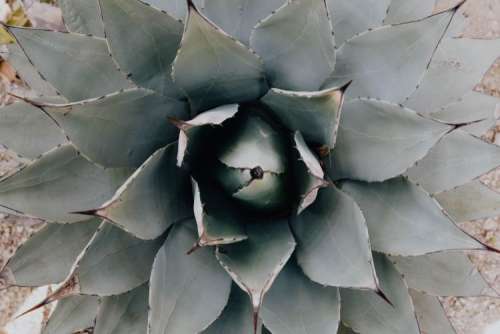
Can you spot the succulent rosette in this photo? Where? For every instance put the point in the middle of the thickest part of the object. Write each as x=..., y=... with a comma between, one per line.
x=231, y=166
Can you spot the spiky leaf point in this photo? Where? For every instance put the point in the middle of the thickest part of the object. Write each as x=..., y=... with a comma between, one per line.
x=404, y=220
x=132, y=123
x=43, y=259
x=145, y=51
x=83, y=58
x=236, y=317
x=255, y=263
x=73, y=314
x=379, y=140
x=183, y=285
x=430, y=314
x=114, y=262
x=26, y=71
x=350, y=17
x=213, y=69
x=308, y=173
x=127, y=313
x=238, y=17
x=58, y=183
x=401, y=11
x=471, y=201
x=457, y=159
x=333, y=243
x=345, y=330
x=153, y=198
x=315, y=114
x=26, y=130
x=189, y=142
x=82, y=16
x=217, y=221
x=314, y=309
x=379, y=63
x=458, y=65
x=459, y=112
x=175, y=8
x=443, y=274
x=367, y=312
x=284, y=40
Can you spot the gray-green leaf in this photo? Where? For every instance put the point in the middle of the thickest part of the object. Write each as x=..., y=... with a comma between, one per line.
x=333, y=243
x=296, y=305
x=157, y=195
x=175, y=8
x=184, y=285
x=146, y=51
x=82, y=16
x=297, y=45
x=73, y=314
x=27, y=131
x=387, y=63
x=132, y=123
x=367, y=312
x=457, y=159
x=315, y=114
x=443, y=274
x=430, y=314
x=379, y=140
x=404, y=220
x=213, y=68
x=59, y=183
x=255, y=263
x=238, y=17
x=48, y=256
x=67, y=60
x=127, y=313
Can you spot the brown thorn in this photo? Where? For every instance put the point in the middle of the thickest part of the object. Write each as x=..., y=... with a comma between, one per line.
x=193, y=249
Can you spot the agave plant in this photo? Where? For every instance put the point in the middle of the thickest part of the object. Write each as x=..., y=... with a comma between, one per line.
x=231, y=166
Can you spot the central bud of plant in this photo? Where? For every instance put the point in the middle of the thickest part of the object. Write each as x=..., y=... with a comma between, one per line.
x=252, y=163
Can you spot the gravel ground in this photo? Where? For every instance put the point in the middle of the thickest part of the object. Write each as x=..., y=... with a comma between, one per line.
x=468, y=315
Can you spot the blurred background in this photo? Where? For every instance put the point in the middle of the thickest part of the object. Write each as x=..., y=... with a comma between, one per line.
x=468, y=315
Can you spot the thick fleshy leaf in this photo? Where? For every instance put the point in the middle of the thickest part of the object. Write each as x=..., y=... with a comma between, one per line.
x=27, y=72
x=145, y=51
x=213, y=69
x=457, y=67
x=481, y=128
x=184, y=285
x=72, y=314
x=411, y=10
x=217, y=221
x=236, y=317
x=443, y=274
x=472, y=107
x=46, y=259
x=59, y=183
x=315, y=114
x=350, y=17
x=387, y=63
x=379, y=140
x=367, y=312
x=127, y=313
x=404, y=220
x=430, y=314
x=132, y=123
x=189, y=138
x=345, y=330
x=82, y=16
x=255, y=263
x=238, y=17
x=297, y=45
x=457, y=159
x=471, y=201
x=115, y=262
x=175, y=8
x=27, y=131
x=157, y=195
x=296, y=305
x=333, y=244
x=66, y=60
x=308, y=173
